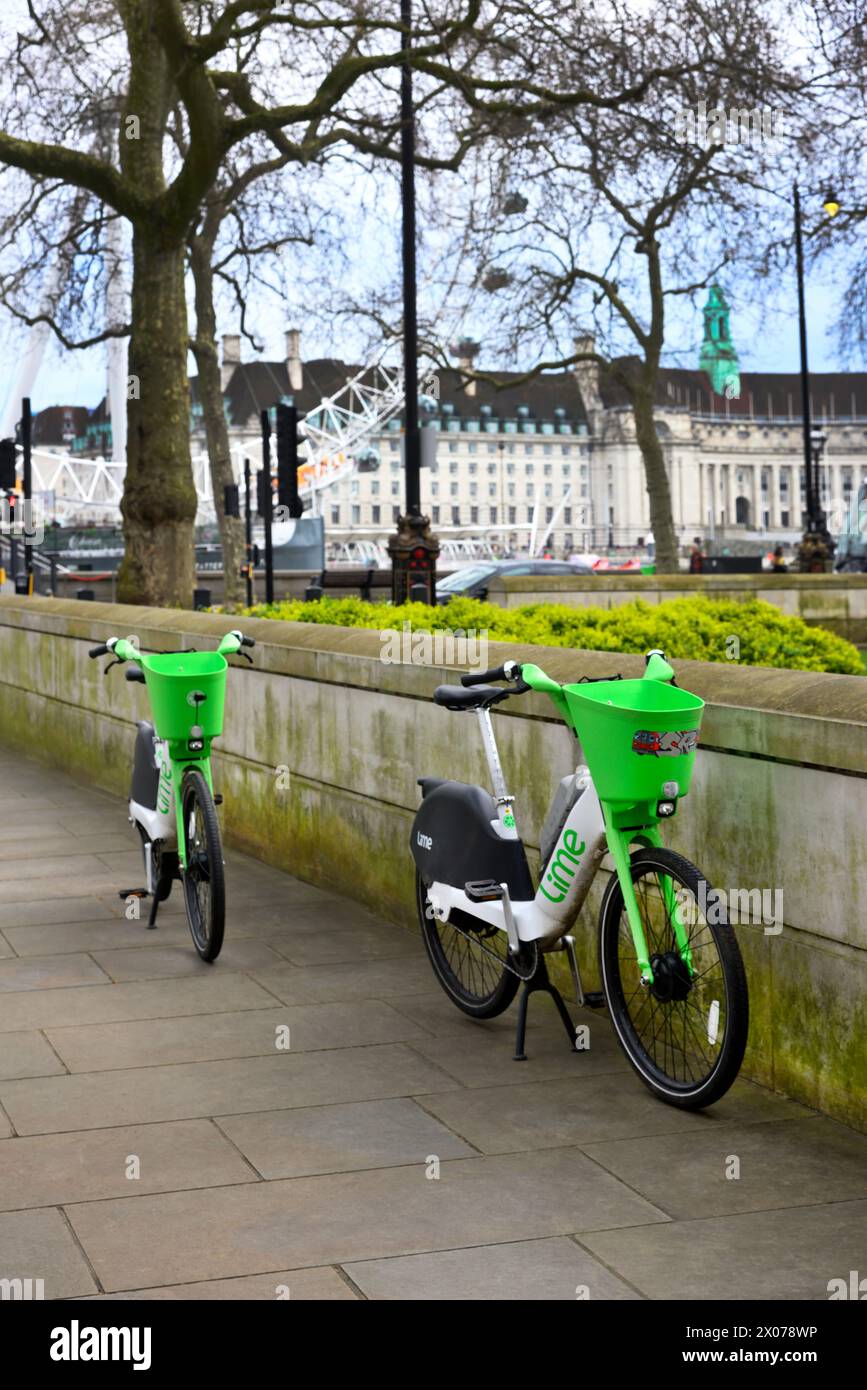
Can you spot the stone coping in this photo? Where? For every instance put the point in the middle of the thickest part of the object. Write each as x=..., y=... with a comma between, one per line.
x=700, y=583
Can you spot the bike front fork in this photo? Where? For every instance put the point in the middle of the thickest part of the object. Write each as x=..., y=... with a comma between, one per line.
x=619, y=842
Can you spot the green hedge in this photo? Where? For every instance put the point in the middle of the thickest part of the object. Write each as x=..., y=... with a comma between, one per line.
x=753, y=633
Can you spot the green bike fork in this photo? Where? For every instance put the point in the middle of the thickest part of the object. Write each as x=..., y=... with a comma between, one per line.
x=178, y=770
x=618, y=845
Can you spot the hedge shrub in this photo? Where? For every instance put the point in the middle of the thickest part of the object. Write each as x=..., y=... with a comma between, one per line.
x=754, y=633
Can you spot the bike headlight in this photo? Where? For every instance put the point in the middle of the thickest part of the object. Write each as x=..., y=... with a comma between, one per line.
x=666, y=808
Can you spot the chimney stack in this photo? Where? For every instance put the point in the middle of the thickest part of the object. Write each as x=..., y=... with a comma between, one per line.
x=587, y=377
x=293, y=359
x=231, y=357
x=466, y=351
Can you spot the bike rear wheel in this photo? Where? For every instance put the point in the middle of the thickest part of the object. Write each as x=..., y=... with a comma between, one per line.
x=204, y=880
x=468, y=963
x=685, y=1035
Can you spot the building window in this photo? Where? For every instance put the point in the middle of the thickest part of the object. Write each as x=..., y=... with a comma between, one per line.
x=335, y=516
x=456, y=516
x=374, y=487
x=549, y=514
x=492, y=512
x=453, y=489
x=436, y=516
x=474, y=516
x=395, y=514
x=474, y=489
x=529, y=449
x=453, y=448
x=395, y=487
x=356, y=514
x=547, y=448
x=567, y=516
x=513, y=515
x=375, y=514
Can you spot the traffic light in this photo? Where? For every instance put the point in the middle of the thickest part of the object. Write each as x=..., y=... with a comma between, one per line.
x=264, y=494
x=231, y=500
x=288, y=440
x=8, y=455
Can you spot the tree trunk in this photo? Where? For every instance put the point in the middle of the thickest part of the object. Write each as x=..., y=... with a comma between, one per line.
x=216, y=429
x=656, y=479
x=159, y=500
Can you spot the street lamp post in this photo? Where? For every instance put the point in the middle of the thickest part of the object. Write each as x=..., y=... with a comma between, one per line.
x=817, y=545
x=413, y=549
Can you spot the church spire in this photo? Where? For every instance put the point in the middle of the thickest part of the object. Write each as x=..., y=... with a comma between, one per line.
x=719, y=359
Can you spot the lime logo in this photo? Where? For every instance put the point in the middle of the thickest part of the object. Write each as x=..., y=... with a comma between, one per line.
x=424, y=841
x=509, y=821
x=562, y=866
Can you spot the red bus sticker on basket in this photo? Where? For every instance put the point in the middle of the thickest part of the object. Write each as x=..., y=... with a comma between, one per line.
x=669, y=744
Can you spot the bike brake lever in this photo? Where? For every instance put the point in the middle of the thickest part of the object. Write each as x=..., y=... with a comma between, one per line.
x=244, y=655
x=117, y=662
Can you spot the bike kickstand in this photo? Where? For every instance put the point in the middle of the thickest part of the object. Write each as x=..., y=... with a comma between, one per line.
x=540, y=983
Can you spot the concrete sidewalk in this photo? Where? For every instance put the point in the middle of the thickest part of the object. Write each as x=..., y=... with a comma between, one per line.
x=158, y=1139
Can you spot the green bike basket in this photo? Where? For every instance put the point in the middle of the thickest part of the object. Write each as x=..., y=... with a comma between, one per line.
x=172, y=678
x=636, y=736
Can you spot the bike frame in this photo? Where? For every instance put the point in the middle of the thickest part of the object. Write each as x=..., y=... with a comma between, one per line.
x=590, y=829
x=166, y=822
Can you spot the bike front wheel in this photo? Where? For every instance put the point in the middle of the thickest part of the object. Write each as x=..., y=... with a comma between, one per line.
x=204, y=880
x=686, y=1033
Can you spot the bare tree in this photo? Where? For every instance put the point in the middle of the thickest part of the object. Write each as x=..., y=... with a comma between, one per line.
x=588, y=222
x=157, y=59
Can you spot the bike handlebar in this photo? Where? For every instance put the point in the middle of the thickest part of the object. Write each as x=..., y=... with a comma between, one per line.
x=101, y=650
x=510, y=670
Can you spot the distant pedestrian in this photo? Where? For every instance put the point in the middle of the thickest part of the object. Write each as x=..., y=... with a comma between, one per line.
x=778, y=564
x=650, y=545
x=696, y=558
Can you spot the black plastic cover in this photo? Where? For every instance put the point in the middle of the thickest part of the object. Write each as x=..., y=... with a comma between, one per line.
x=145, y=773
x=454, y=842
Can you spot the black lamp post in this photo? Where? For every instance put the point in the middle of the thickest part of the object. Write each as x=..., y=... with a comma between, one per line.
x=413, y=549
x=817, y=545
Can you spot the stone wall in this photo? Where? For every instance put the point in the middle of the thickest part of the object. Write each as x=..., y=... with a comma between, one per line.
x=779, y=798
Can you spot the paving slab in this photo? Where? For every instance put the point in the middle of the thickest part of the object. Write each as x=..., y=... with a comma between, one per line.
x=250, y=1033
x=204, y=994
x=371, y=979
x=788, y=1254
x=27, y=1054
x=714, y=1173
x=50, y=972
x=48, y=1105
x=40, y=1245
x=548, y=1114
x=172, y=962
x=523, y=1271
x=341, y=1138
x=140, y=1241
x=84, y=1165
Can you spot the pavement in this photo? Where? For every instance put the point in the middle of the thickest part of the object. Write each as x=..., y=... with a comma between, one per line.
x=311, y=1118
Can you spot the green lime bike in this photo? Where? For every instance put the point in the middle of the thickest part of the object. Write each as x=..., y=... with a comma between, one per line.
x=671, y=971
x=172, y=802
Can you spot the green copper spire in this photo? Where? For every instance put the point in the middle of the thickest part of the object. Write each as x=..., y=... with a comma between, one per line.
x=718, y=356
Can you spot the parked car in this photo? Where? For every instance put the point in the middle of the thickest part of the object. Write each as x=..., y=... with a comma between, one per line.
x=473, y=580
